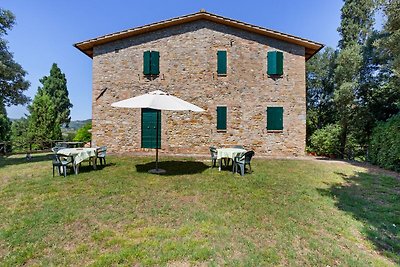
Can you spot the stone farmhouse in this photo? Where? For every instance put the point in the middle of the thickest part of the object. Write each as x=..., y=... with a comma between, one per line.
x=250, y=80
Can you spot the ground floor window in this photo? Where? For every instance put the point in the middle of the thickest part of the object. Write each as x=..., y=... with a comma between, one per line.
x=275, y=118
x=221, y=118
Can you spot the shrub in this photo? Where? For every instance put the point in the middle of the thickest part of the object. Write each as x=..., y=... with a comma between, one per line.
x=326, y=141
x=384, y=149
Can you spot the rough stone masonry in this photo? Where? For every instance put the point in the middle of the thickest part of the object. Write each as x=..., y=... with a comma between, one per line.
x=188, y=70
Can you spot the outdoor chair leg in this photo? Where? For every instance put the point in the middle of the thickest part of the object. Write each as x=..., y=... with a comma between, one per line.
x=53, y=170
x=250, y=171
x=241, y=169
x=65, y=171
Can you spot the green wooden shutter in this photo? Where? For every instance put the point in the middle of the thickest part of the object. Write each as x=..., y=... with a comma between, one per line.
x=149, y=128
x=221, y=118
x=221, y=62
x=155, y=62
x=275, y=118
x=146, y=63
x=275, y=63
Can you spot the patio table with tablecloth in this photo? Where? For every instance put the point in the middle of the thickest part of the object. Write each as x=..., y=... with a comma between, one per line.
x=228, y=153
x=78, y=155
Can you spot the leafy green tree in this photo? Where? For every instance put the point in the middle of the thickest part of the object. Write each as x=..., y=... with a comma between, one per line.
x=55, y=85
x=69, y=136
x=44, y=122
x=357, y=19
x=320, y=87
x=356, y=26
x=347, y=81
x=392, y=29
x=377, y=96
x=84, y=134
x=19, y=134
x=12, y=75
x=5, y=126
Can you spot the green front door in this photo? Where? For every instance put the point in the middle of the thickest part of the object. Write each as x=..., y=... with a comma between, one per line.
x=150, y=119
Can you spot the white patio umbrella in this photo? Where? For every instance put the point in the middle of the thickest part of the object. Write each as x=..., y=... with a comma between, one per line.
x=158, y=100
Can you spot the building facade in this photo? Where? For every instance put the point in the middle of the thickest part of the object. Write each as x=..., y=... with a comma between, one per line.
x=249, y=80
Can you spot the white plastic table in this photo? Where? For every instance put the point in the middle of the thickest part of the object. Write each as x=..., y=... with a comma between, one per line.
x=78, y=155
x=228, y=153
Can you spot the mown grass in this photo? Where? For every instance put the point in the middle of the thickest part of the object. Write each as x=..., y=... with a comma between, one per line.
x=288, y=212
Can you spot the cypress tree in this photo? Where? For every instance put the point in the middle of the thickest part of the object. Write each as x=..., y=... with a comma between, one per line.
x=55, y=86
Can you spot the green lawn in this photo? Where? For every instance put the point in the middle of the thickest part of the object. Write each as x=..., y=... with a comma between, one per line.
x=288, y=212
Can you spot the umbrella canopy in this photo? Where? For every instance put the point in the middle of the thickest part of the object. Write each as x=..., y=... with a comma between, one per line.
x=157, y=100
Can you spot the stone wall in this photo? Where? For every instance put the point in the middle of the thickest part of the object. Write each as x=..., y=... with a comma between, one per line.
x=188, y=63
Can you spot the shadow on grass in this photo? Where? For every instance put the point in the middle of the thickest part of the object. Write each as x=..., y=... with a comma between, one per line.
x=174, y=167
x=21, y=159
x=374, y=200
x=85, y=167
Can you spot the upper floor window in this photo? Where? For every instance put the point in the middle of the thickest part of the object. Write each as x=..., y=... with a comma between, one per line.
x=221, y=62
x=275, y=63
x=151, y=63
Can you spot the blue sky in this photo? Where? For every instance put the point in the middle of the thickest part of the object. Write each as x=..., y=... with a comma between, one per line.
x=46, y=30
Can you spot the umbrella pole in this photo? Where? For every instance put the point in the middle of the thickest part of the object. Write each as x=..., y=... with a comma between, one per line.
x=157, y=170
x=157, y=141
x=157, y=157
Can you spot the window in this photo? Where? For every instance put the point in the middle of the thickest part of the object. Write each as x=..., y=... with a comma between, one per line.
x=274, y=118
x=221, y=62
x=151, y=63
x=275, y=63
x=221, y=118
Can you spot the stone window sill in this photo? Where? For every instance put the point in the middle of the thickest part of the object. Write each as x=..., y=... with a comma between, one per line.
x=274, y=131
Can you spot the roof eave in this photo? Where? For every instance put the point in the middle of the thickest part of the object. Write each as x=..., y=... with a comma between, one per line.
x=311, y=47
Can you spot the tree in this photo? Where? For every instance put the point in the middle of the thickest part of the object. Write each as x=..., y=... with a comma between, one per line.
x=392, y=28
x=19, y=134
x=320, y=87
x=5, y=125
x=84, y=134
x=357, y=19
x=44, y=122
x=12, y=76
x=377, y=96
x=55, y=85
x=347, y=81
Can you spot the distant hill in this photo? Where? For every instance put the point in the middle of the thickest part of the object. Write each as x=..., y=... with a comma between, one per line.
x=75, y=125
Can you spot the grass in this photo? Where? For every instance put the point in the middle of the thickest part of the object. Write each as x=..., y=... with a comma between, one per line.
x=288, y=212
